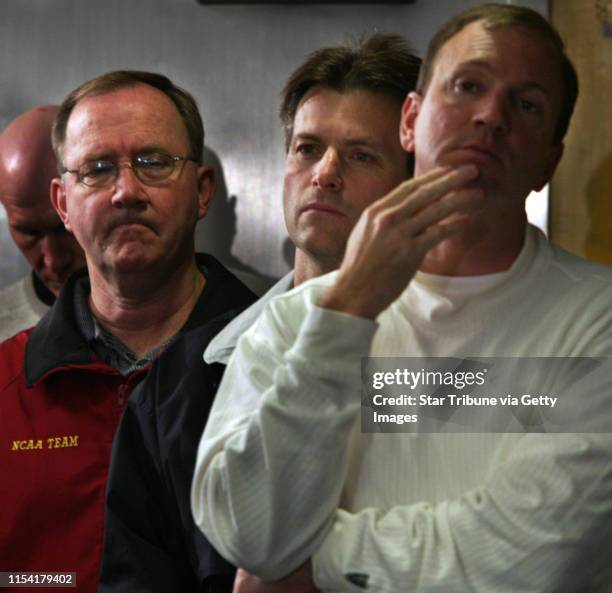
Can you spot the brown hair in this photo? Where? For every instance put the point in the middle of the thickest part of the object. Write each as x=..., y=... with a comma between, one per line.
x=120, y=79
x=381, y=63
x=508, y=15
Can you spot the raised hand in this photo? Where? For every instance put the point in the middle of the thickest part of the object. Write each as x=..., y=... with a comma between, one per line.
x=393, y=235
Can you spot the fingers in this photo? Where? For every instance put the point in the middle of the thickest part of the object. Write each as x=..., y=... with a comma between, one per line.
x=415, y=206
x=448, y=205
x=415, y=194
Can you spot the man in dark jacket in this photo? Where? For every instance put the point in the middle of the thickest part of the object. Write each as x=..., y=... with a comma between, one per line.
x=131, y=190
x=341, y=112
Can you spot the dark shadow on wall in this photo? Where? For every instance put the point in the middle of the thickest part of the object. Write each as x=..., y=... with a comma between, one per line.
x=215, y=234
x=598, y=246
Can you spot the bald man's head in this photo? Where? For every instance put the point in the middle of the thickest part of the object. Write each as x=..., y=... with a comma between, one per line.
x=27, y=165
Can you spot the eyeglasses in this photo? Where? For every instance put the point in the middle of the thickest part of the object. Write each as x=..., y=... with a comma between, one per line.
x=150, y=168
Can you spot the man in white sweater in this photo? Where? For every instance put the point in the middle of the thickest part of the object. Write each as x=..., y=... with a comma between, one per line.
x=288, y=487
x=27, y=165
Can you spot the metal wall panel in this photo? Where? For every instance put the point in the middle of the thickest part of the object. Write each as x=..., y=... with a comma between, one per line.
x=234, y=59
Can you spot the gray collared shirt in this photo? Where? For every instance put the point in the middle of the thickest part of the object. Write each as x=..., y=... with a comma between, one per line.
x=107, y=346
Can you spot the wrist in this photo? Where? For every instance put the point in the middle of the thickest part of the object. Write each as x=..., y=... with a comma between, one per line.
x=339, y=298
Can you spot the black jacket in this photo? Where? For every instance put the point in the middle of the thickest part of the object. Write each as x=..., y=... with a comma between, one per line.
x=151, y=542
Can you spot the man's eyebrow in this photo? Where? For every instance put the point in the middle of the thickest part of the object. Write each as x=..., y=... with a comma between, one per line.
x=148, y=148
x=97, y=156
x=350, y=141
x=364, y=141
x=306, y=136
x=484, y=65
x=112, y=157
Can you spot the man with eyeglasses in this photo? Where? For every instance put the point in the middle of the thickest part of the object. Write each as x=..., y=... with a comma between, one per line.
x=340, y=112
x=131, y=190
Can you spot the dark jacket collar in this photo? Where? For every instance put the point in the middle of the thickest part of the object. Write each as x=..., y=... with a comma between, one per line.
x=57, y=341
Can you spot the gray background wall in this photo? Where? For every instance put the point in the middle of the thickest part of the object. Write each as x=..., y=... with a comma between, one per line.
x=234, y=59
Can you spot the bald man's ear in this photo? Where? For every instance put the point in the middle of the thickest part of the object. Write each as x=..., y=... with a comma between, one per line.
x=410, y=111
x=206, y=189
x=58, y=199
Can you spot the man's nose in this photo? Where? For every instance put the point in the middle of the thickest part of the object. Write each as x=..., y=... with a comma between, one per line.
x=328, y=171
x=494, y=110
x=129, y=191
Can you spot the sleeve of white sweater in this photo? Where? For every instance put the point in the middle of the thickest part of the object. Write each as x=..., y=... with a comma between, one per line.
x=538, y=524
x=263, y=492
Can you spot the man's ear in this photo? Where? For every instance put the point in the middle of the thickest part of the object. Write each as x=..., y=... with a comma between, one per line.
x=554, y=156
x=206, y=189
x=410, y=111
x=58, y=199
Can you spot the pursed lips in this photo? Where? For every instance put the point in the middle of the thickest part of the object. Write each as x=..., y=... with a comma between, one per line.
x=131, y=222
x=480, y=149
x=321, y=207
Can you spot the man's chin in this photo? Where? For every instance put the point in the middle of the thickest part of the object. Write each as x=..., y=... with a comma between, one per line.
x=131, y=261
x=54, y=287
x=133, y=266
x=327, y=253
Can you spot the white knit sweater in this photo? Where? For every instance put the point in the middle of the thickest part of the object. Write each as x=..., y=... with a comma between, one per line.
x=284, y=473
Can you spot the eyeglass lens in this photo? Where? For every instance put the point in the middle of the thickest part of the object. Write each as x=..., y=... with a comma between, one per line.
x=147, y=167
